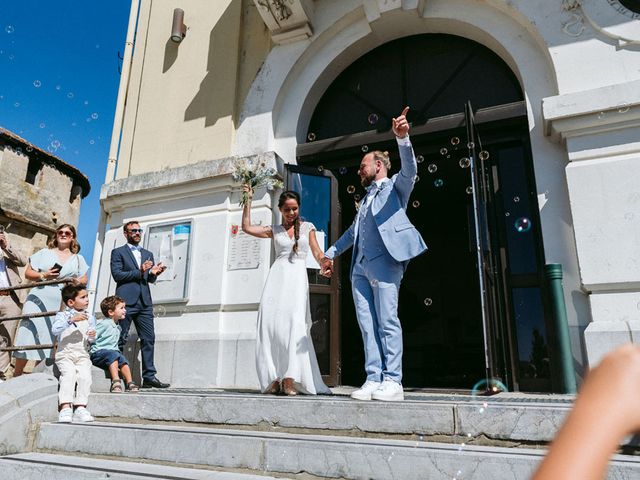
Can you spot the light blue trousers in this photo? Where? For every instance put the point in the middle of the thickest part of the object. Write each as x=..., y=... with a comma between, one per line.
x=375, y=285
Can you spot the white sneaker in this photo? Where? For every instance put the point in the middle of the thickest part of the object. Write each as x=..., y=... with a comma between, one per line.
x=389, y=391
x=82, y=415
x=65, y=415
x=365, y=391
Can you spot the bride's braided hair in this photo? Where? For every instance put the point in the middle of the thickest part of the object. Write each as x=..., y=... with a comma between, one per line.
x=288, y=195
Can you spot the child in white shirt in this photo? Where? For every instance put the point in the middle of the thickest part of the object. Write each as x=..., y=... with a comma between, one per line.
x=75, y=329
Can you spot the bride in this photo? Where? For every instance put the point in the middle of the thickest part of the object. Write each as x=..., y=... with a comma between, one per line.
x=285, y=357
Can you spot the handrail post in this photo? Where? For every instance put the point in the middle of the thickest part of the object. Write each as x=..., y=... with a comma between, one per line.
x=553, y=276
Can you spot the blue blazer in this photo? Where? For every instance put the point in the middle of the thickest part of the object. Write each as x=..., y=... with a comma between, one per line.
x=131, y=285
x=401, y=239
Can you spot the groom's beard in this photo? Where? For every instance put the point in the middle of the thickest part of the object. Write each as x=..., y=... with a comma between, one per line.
x=366, y=181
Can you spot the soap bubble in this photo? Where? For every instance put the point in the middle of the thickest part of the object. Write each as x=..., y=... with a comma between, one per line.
x=37, y=83
x=17, y=104
x=320, y=168
x=419, y=159
x=428, y=302
x=484, y=155
x=507, y=214
x=443, y=151
x=58, y=87
x=70, y=95
x=94, y=115
x=488, y=387
x=365, y=148
x=373, y=118
x=433, y=168
x=9, y=29
x=601, y=115
x=159, y=311
x=42, y=125
x=455, y=141
x=356, y=197
x=86, y=102
x=471, y=145
x=464, y=162
x=29, y=148
x=351, y=189
x=342, y=170
x=55, y=144
x=623, y=108
x=92, y=141
x=523, y=224
x=438, y=182
x=516, y=199
x=415, y=204
x=469, y=190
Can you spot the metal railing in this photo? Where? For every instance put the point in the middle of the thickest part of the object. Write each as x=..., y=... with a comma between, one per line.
x=42, y=346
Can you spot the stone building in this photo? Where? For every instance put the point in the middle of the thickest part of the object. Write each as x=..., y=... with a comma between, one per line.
x=38, y=192
x=307, y=86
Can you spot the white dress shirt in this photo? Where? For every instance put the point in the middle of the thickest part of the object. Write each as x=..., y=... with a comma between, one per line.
x=4, y=278
x=136, y=253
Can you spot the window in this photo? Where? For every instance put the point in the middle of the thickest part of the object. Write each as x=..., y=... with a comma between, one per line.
x=33, y=169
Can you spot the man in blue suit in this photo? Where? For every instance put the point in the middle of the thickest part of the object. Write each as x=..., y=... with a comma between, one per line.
x=133, y=269
x=383, y=240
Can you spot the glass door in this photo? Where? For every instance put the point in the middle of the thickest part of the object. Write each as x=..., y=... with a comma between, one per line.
x=318, y=191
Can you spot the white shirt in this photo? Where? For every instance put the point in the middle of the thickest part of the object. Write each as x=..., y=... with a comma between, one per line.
x=136, y=253
x=4, y=279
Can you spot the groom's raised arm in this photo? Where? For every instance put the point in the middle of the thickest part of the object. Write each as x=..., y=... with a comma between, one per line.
x=406, y=178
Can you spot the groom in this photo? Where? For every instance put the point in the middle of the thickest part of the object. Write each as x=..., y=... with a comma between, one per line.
x=383, y=242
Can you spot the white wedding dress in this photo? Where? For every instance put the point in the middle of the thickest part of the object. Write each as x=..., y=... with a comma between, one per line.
x=284, y=348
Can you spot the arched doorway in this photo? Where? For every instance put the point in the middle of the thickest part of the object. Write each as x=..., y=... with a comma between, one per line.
x=435, y=75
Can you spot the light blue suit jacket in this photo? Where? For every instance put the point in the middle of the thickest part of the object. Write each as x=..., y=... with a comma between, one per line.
x=388, y=207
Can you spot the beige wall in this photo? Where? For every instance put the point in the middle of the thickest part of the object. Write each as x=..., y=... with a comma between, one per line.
x=182, y=98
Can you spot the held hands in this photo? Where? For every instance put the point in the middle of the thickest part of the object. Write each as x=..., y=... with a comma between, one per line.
x=400, y=125
x=326, y=267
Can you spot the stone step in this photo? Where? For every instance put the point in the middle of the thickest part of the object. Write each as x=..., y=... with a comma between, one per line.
x=504, y=417
x=38, y=466
x=324, y=456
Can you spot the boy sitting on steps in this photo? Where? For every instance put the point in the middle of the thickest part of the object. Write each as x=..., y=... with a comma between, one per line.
x=104, y=351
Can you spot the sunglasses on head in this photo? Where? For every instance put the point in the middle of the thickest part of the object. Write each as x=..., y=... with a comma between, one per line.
x=135, y=230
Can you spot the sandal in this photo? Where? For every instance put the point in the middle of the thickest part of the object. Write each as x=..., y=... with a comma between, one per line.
x=132, y=387
x=116, y=386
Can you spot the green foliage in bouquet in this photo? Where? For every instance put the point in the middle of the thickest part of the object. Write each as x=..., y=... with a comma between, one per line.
x=255, y=176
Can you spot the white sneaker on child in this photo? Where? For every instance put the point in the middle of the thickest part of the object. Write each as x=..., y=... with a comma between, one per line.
x=65, y=415
x=82, y=415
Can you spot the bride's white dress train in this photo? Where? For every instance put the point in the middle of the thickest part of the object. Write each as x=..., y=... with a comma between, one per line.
x=284, y=348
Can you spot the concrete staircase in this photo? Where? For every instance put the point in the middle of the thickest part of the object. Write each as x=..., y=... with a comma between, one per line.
x=190, y=434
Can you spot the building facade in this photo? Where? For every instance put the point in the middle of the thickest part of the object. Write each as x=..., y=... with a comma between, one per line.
x=38, y=192
x=552, y=90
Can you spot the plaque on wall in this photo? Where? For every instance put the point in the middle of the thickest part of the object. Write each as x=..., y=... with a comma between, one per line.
x=244, y=250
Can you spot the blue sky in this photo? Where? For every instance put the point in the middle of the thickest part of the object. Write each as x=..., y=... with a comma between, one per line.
x=59, y=81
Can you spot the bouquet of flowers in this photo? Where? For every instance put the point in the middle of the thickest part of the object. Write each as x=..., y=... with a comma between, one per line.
x=255, y=176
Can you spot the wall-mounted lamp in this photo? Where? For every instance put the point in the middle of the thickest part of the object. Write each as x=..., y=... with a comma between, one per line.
x=178, y=28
